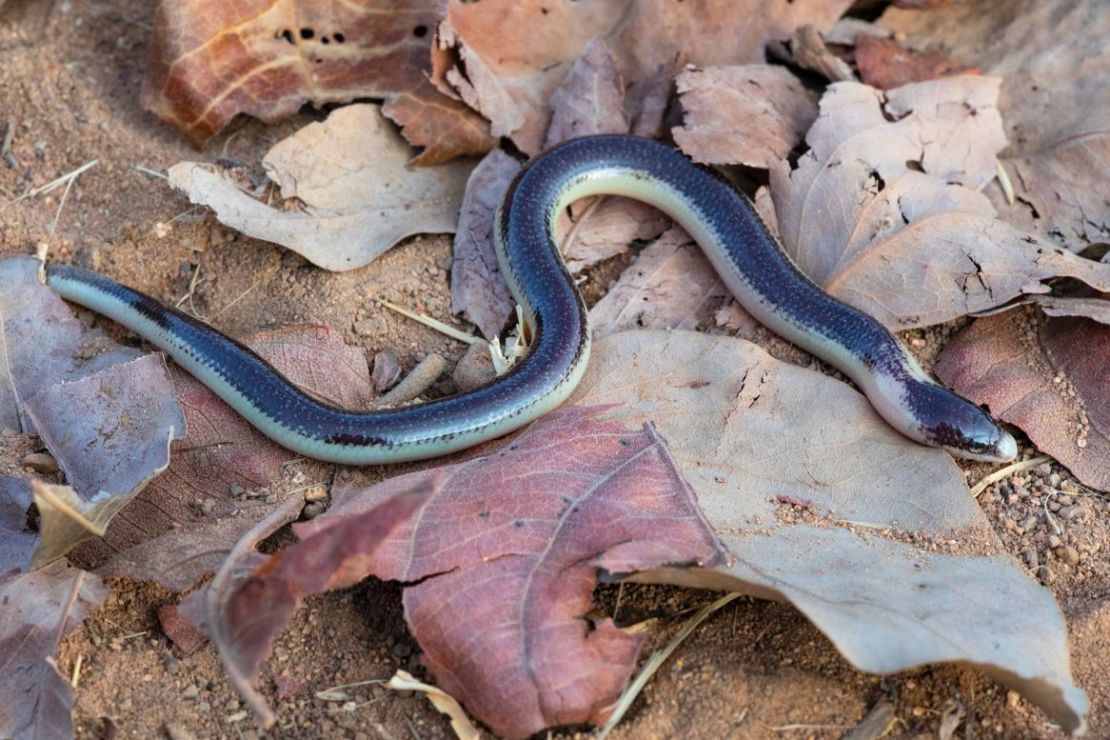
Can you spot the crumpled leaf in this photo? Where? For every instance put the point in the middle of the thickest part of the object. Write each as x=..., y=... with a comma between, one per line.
x=1049, y=377
x=505, y=554
x=40, y=607
x=209, y=63
x=252, y=597
x=888, y=555
x=1054, y=100
x=110, y=433
x=669, y=286
x=886, y=64
x=886, y=216
x=356, y=195
x=752, y=114
x=509, y=78
x=17, y=540
x=224, y=476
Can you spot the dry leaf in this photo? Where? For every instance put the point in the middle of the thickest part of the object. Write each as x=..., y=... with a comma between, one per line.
x=883, y=211
x=505, y=555
x=671, y=285
x=590, y=99
x=1054, y=100
x=886, y=64
x=892, y=559
x=252, y=597
x=209, y=63
x=478, y=292
x=509, y=78
x=1048, y=377
x=356, y=195
x=45, y=343
x=40, y=607
x=110, y=433
x=752, y=114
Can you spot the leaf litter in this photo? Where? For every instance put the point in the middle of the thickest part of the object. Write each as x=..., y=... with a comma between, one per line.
x=799, y=512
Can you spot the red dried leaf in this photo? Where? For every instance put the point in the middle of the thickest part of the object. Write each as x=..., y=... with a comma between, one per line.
x=1049, y=377
x=507, y=552
x=886, y=64
x=210, y=62
x=252, y=598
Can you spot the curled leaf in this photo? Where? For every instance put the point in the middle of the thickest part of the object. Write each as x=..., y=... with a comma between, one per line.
x=356, y=193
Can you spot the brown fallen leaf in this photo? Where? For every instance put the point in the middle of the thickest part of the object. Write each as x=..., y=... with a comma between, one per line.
x=1054, y=101
x=1049, y=377
x=753, y=114
x=224, y=476
x=509, y=78
x=590, y=99
x=884, y=210
x=671, y=285
x=266, y=59
x=252, y=597
x=40, y=607
x=894, y=562
x=506, y=554
x=357, y=197
x=886, y=64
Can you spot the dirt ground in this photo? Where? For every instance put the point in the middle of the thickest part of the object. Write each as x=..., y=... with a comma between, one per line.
x=755, y=669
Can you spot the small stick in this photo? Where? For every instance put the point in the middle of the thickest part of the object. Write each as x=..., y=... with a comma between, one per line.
x=6, y=147
x=656, y=661
x=53, y=184
x=152, y=173
x=1018, y=467
x=1004, y=181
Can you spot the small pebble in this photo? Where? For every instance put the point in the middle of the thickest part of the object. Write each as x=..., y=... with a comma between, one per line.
x=1071, y=555
x=178, y=732
x=237, y=490
x=314, y=509
x=1054, y=541
x=190, y=692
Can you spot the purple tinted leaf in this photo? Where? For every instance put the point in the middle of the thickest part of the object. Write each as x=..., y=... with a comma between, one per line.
x=38, y=609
